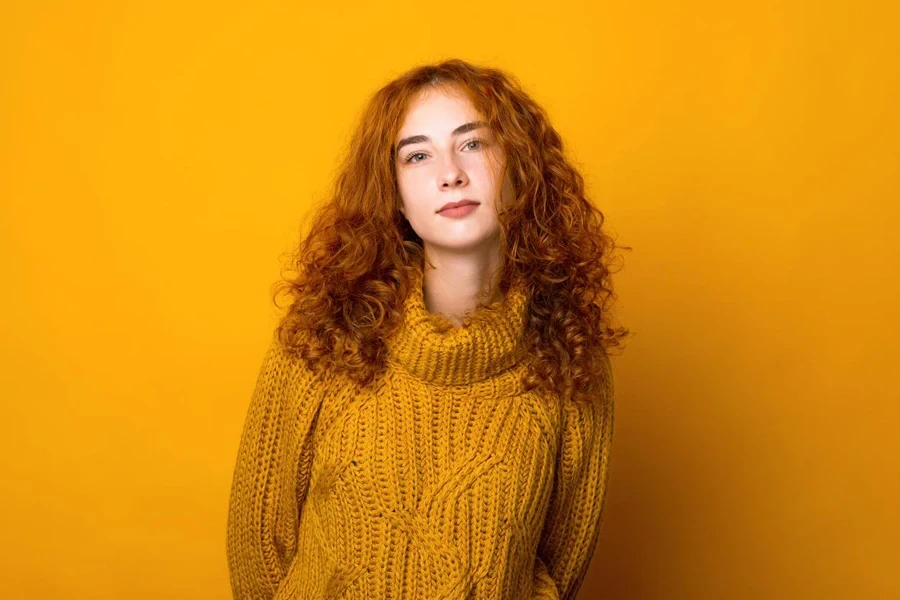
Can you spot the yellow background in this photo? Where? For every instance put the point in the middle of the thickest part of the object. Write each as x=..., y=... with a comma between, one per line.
x=157, y=158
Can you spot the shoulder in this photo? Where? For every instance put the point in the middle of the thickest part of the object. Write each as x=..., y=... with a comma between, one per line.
x=288, y=363
x=593, y=411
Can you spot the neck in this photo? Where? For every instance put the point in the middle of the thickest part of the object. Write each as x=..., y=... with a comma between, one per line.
x=455, y=285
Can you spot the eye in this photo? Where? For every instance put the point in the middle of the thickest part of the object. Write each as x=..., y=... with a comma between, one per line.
x=468, y=145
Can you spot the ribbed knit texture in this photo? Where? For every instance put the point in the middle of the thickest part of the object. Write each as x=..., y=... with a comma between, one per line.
x=444, y=481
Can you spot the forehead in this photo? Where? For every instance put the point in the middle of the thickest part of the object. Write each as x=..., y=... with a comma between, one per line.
x=436, y=110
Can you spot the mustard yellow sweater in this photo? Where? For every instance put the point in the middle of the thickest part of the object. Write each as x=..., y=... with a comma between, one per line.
x=444, y=481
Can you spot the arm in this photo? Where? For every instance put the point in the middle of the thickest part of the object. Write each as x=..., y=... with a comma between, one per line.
x=269, y=476
x=573, y=520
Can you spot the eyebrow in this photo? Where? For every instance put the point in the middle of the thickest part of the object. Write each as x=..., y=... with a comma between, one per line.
x=424, y=138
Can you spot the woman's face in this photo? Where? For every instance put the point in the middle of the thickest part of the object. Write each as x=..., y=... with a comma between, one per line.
x=445, y=154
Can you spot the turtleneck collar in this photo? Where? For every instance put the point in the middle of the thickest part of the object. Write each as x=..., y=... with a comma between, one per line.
x=428, y=347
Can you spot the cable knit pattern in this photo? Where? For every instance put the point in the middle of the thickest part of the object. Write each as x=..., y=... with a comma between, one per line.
x=445, y=480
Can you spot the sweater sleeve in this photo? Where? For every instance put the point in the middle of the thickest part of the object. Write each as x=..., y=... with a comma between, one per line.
x=271, y=475
x=572, y=527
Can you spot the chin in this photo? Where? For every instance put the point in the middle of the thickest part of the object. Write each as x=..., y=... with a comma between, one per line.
x=474, y=242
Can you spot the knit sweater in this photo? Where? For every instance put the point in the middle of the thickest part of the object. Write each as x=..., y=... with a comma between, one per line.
x=444, y=480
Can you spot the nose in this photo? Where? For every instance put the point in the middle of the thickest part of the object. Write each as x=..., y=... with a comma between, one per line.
x=453, y=174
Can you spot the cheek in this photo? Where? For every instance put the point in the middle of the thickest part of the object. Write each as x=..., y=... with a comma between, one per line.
x=487, y=171
x=489, y=179
x=405, y=191
x=411, y=185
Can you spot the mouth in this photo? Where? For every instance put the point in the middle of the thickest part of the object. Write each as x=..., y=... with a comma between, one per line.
x=458, y=204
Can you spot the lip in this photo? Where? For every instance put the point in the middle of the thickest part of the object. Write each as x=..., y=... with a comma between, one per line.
x=457, y=204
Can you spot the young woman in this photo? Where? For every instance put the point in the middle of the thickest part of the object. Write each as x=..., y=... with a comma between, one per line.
x=434, y=414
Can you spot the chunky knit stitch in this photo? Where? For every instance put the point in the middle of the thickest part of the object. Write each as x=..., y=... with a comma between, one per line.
x=444, y=480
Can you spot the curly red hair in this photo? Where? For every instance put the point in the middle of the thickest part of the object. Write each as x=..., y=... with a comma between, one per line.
x=353, y=268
